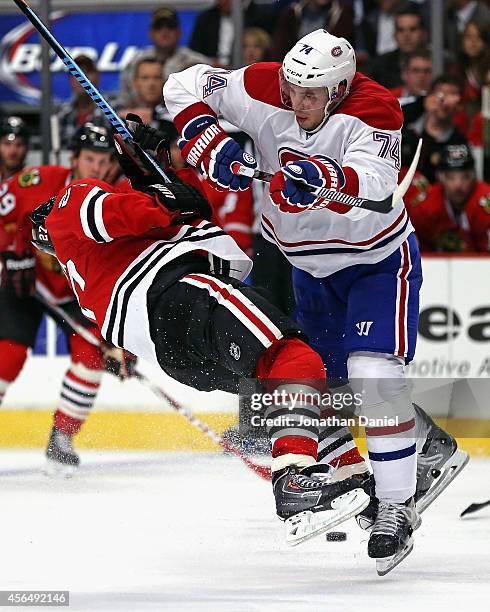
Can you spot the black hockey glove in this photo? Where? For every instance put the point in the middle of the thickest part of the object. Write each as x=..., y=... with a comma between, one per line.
x=17, y=273
x=151, y=140
x=119, y=362
x=135, y=166
x=181, y=197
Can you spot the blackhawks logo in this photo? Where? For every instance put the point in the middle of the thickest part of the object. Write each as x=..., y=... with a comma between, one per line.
x=485, y=203
x=30, y=178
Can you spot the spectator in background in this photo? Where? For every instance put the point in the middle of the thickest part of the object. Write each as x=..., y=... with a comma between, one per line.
x=256, y=46
x=472, y=65
x=410, y=35
x=305, y=16
x=147, y=97
x=376, y=30
x=417, y=78
x=80, y=109
x=213, y=33
x=459, y=14
x=455, y=215
x=441, y=106
x=475, y=133
x=14, y=146
x=416, y=75
x=165, y=34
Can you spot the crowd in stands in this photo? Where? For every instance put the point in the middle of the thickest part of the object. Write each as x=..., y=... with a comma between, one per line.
x=449, y=206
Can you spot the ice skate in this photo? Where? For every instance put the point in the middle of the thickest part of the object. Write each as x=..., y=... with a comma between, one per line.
x=365, y=519
x=438, y=463
x=310, y=505
x=391, y=536
x=62, y=460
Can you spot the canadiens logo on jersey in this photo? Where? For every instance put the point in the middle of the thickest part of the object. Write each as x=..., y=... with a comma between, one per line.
x=30, y=178
x=213, y=83
x=485, y=203
x=332, y=167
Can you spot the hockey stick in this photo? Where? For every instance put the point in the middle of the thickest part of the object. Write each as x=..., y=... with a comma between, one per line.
x=261, y=470
x=474, y=508
x=91, y=90
x=381, y=206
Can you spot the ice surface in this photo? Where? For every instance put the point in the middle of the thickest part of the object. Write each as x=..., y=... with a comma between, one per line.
x=167, y=531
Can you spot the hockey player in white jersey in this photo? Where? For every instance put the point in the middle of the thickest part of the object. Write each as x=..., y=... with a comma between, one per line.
x=317, y=123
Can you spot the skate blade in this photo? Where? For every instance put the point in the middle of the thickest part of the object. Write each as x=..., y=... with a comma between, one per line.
x=308, y=524
x=449, y=472
x=59, y=471
x=385, y=565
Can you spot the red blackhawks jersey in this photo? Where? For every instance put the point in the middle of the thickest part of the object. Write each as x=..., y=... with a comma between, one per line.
x=363, y=136
x=111, y=246
x=234, y=212
x=19, y=196
x=438, y=228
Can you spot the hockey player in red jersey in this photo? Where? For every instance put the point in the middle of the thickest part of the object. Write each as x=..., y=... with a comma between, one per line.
x=455, y=215
x=21, y=312
x=163, y=282
x=14, y=146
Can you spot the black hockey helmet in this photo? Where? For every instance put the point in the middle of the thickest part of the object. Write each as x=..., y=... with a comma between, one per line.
x=456, y=157
x=14, y=127
x=93, y=137
x=40, y=236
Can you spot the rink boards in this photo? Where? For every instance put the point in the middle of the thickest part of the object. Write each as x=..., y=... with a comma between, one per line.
x=454, y=341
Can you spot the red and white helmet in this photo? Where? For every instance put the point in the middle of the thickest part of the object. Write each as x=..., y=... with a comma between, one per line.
x=320, y=60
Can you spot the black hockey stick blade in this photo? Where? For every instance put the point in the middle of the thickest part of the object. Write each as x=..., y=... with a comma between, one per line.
x=75, y=70
x=474, y=508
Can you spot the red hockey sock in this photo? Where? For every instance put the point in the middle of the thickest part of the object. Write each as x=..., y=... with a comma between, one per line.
x=12, y=357
x=67, y=423
x=291, y=362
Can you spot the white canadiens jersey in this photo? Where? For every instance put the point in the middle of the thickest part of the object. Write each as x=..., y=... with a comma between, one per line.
x=363, y=134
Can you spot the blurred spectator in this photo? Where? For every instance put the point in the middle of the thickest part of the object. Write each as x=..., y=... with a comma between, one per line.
x=147, y=97
x=441, y=106
x=165, y=34
x=455, y=215
x=305, y=16
x=417, y=78
x=473, y=63
x=80, y=108
x=256, y=46
x=475, y=133
x=213, y=33
x=376, y=31
x=14, y=146
x=459, y=14
x=416, y=73
x=410, y=35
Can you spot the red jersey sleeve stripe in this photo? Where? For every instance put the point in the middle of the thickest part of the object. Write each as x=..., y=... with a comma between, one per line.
x=190, y=114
